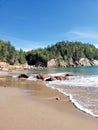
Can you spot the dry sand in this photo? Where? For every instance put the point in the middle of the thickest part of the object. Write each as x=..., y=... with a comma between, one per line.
x=38, y=109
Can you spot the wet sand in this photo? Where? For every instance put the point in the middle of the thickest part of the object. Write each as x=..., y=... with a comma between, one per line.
x=30, y=105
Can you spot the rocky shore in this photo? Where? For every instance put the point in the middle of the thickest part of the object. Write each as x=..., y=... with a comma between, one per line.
x=72, y=63
x=50, y=64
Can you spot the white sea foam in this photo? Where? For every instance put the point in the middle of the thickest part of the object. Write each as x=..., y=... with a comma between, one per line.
x=58, y=74
x=32, y=78
x=74, y=101
x=73, y=82
x=82, y=88
x=79, y=81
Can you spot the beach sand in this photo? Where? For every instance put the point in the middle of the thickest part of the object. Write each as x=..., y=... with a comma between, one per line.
x=38, y=109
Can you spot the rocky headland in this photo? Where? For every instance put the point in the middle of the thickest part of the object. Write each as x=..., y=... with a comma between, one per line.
x=72, y=63
x=50, y=64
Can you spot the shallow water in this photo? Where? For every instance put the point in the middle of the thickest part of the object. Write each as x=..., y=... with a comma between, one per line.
x=82, y=88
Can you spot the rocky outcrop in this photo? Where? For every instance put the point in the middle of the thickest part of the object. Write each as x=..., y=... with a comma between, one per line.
x=84, y=62
x=56, y=63
x=95, y=62
x=63, y=63
x=71, y=62
x=52, y=63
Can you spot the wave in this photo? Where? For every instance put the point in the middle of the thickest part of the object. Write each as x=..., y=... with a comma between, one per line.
x=86, y=81
x=80, y=81
x=75, y=102
x=74, y=81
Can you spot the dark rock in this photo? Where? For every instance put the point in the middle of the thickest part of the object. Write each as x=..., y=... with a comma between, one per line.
x=23, y=76
x=57, y=98
x=51, y=78
x=69, y=75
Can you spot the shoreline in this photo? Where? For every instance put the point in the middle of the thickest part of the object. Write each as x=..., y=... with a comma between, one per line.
x=77, y=105
x=64, y=95
x=63, y=108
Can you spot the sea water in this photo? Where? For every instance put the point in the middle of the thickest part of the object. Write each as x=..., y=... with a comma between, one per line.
x=81, y=88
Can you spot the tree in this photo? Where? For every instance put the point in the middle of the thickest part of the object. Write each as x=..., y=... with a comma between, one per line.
x=22, y=57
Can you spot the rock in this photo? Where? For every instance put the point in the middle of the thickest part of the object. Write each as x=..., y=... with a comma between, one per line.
x=52, y=63
x=71, y=62
x=95, y=62
x=77, y=63
x=69, y=75
x=51, y=78
x=84, y=62
x=23, y=76
x=63, y=63
x=56, y=63
x=42, y=76
x=57, y=98
x=61, y=78
x=46, y=77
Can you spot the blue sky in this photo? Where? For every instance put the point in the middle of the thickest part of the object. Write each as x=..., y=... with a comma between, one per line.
x=30, y=24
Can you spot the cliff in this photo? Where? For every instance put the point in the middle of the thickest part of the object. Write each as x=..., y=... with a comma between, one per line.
x=71, y=63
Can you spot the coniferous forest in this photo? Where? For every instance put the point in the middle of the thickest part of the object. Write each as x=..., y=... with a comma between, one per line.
x=9, y=54
x=63, y=50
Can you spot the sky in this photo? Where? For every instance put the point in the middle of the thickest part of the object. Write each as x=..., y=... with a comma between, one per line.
x=32, y=24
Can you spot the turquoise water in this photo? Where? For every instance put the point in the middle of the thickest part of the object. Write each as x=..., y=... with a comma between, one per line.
x=91, y=70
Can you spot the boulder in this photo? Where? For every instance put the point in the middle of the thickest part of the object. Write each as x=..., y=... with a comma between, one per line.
x=23, y=76
x=42, y=76
x=52, y=78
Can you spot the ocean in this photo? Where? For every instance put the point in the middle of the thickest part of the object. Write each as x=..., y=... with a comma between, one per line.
x=81, y=88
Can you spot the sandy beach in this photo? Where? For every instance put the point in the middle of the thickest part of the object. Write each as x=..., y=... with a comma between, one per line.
x=38, y=109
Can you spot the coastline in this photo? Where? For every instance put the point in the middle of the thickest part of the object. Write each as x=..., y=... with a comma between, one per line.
x=49, y=113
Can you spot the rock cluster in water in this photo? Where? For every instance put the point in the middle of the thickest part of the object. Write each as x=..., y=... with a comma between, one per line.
x=46, y=77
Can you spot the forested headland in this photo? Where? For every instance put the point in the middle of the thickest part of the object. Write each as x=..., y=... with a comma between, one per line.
x=64, y=51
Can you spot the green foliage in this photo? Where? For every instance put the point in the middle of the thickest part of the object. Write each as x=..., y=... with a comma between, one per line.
x=9, y=54
x=22, y=57
x=36, y=56
x=60, y=51
x=63, y=51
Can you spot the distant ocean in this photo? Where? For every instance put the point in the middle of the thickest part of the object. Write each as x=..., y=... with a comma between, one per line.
x=82, y=88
